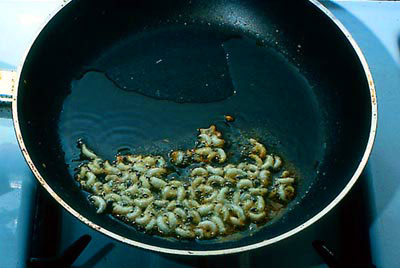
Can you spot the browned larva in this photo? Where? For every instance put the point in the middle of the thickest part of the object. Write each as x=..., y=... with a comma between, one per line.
x=229, y=118
x=216, y=198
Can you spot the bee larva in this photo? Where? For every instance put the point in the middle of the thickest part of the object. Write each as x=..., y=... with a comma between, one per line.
x=106, y=188
x=139, y=167
x=127, y=200
x=245, y=196
x=217, y=142
x=285, y=191
x=121, y=210
x=191, y=192
x=205, y=188
x=111, y=178
x=157, y=183
x=112, y=197
x=268, y=163
x=251, y=167
x=195, y=216
x=260, y=203
x=199, y=172
x=162, y=224
x=222, y=193
x=220, y=209
x=88, y=153
x=258, y=191
x=190, y=203
x=109, y=169
x=211, y=197
x=178, y=158
x=256, y=217
x=240, y=217
x=134, y=214
x=194, y=193
x=82, y=172
x=161, y=203
x=184, y=233
x=257, y=159
x=203, y=152
x=144, y=220
x=197, y=181
x=95, y=166
x=133, y=189
x=91, y=179
x=236, y=197
x=133, y=177
x=172, y=220
x=215, y=179
x=289, y=192
x=277, y=162
x=207, y=229
x=264, y=175
x=219, y=223
x=168, y=193
x=123, y=167
x=143, y=202
x=244, y=183
x=181, y=193
x=175, y=183
x=247, y=204
x=213, y=155
x=180, y=212
x=133, y=158
x=125, y=176
x=96, y=188
x=145, y=182
x=171, y=205
x=229, y=166
x=99, y=203
x=204, y=138
x=145, y=192
x=149, y=160
x=151, y=225
x=205, y=209
x=258, y=148
x=211, y=130
x=156, y=172
x=215, y=171
x=160, y=162
x=286, y=180
x=233, y=173
x=252, y=174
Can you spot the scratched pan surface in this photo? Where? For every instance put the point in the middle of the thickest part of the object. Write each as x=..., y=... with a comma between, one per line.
x=141, y=77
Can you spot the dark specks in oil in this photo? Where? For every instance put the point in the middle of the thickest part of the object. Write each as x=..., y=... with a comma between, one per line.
x=123, y=151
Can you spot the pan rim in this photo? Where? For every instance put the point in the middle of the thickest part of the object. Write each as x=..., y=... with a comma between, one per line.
x=299, y=228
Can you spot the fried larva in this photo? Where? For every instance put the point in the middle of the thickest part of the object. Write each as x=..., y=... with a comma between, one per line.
x=215, y=198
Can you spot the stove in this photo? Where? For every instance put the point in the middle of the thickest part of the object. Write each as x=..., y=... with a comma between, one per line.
x=361, y=230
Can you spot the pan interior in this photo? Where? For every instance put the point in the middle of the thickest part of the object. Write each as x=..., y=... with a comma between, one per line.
x=146, y=88
x=144, y=98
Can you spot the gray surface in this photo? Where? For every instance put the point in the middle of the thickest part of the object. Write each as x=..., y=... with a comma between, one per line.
x=19, y=20
x=379, y=37
x=17, y=190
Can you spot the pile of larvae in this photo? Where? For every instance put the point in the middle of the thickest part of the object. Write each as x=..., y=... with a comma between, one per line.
x=214, y=199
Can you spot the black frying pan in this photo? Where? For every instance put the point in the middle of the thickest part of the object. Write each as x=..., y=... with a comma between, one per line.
x=125, y=76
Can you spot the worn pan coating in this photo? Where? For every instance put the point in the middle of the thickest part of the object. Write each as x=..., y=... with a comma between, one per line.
x=289, y=72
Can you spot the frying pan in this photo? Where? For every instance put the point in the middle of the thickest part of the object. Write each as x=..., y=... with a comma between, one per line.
x=142, y=76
